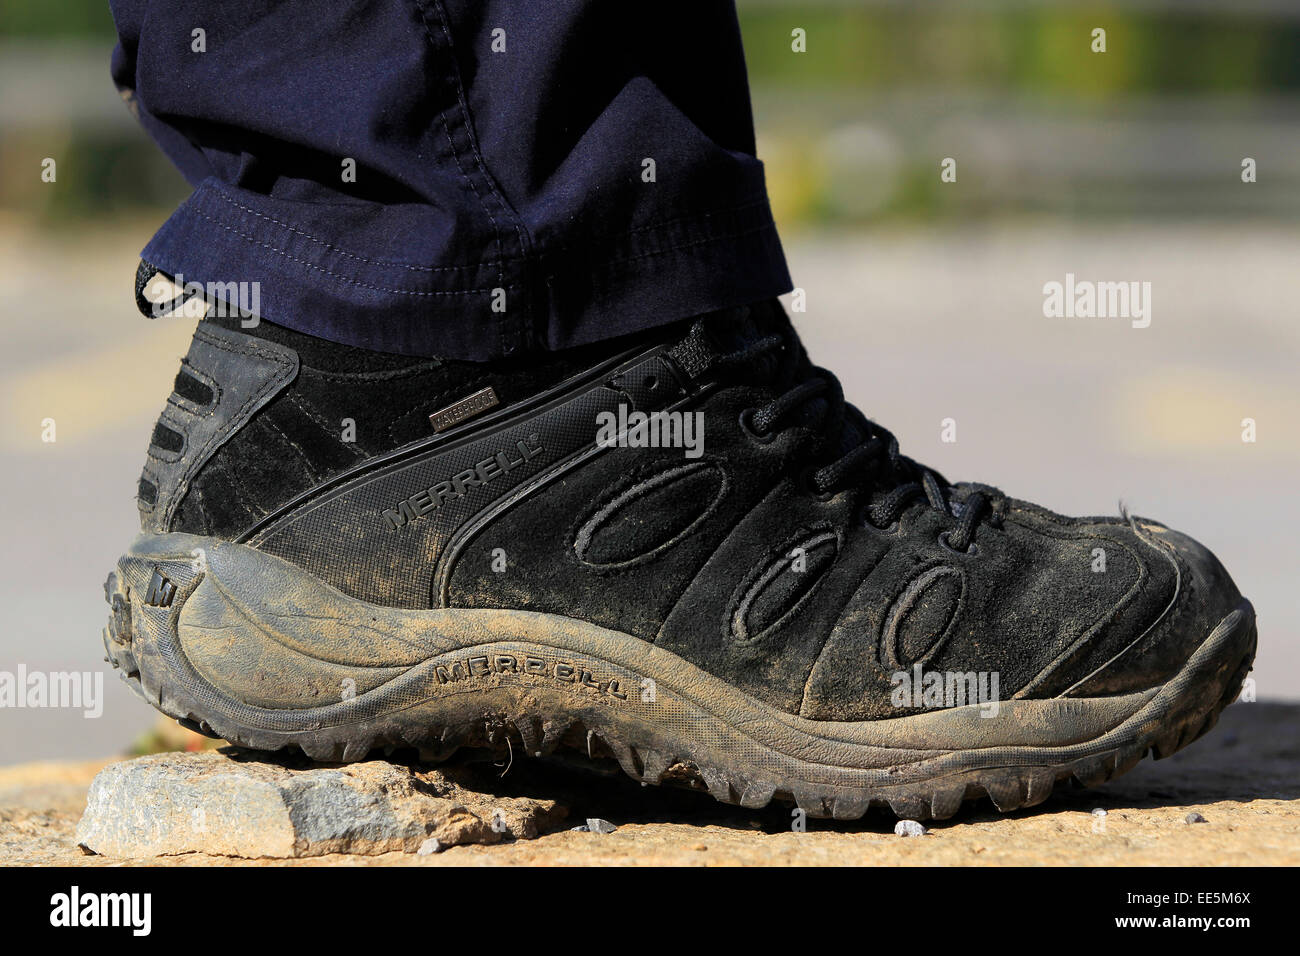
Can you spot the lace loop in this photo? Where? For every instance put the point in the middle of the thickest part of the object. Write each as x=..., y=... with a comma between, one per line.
x=860, y=452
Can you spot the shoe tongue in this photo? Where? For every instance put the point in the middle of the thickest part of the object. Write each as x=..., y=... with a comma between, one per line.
x=737, y=328
x=730, y=331
x=724, y=333
x=734, y=329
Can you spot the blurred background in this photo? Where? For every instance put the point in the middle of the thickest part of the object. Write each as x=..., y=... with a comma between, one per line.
x=925, y=296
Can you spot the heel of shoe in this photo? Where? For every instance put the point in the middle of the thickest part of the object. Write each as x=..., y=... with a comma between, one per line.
x=224, y=379
x=145, y=592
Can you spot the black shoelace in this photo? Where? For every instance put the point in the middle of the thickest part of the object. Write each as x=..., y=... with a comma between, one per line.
x=868, y=454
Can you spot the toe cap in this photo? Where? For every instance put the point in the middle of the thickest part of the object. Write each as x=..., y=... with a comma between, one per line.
x=1204, y=595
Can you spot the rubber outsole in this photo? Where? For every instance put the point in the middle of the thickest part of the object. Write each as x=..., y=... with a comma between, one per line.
x=918, y=768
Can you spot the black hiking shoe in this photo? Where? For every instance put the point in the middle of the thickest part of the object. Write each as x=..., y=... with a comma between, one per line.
x=685, y=552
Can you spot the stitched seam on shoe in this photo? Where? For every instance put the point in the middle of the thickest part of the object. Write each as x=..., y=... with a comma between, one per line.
x=232, y=482
x=152, y=478
x=732, y=532
x=647, y=478
x=305, y=407
x=830, y=634
x=312, y=473
x=1093, y=628
x=205, y=523
x=178, y=426
x=385, y=375
x=769, y=566
x=194, y=408
x=201, y=456
x=1182, y=573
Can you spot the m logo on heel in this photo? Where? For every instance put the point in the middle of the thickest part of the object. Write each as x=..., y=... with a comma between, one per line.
x=161, y=591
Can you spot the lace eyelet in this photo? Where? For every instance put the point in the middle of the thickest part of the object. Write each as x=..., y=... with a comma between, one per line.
x=747, y=426
x=971, y=549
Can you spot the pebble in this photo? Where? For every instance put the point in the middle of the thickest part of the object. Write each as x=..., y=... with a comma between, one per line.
x=909, y=828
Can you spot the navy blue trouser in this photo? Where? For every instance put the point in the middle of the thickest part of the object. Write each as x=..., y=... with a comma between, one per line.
x=466, y=178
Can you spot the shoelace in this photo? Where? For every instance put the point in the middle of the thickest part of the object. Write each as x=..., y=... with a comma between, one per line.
x=873, y=458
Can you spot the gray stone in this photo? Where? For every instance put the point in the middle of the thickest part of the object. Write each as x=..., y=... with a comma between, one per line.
x=236, y=806
x=909, y=828
x=597, y=825
x=1194, y=818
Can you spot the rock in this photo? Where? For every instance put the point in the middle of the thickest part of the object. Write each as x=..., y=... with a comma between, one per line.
x=597, y=825
x=225, y=805
x=430, y=847
x=1194, y=818
x=1248, y=793
x=909, y=828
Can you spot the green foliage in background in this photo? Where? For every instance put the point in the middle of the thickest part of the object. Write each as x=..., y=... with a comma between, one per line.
x=1026, y=48
x=1232, y=73
x=56, y=18
x=1014, y=46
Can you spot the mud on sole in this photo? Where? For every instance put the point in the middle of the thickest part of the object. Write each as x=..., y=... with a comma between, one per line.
x=244, y=646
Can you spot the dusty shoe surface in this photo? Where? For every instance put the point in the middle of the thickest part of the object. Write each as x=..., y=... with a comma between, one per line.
x=686, y=553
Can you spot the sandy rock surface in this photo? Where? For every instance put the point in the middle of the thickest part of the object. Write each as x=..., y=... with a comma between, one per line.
x=215, y=803
x=1243, y=779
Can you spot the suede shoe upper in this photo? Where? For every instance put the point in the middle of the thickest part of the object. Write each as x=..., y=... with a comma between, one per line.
x=798, y=555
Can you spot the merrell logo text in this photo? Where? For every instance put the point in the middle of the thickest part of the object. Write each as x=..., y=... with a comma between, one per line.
x=486, y=665
x=457, y=486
